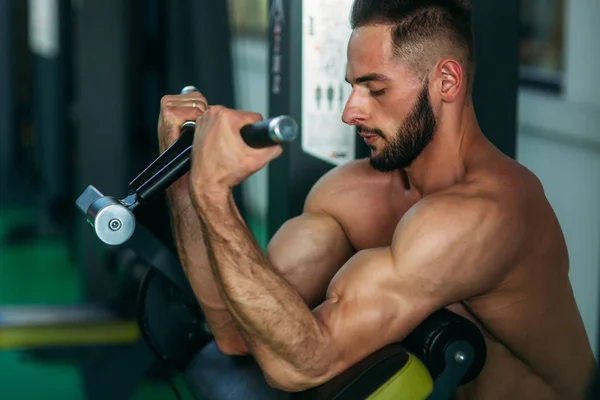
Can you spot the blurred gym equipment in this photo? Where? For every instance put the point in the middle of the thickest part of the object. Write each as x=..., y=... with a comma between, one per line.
x=50, y=37
x=48, y=130
x=7, y=98
x=16, y=147
x=125, y=56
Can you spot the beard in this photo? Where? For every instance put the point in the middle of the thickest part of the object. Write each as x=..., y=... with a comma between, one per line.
x=411, y=138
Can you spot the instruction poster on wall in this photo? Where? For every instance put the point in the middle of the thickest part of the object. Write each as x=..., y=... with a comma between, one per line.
x=325, y=34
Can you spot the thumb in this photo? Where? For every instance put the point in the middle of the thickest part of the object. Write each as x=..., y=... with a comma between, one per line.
x=275, y=152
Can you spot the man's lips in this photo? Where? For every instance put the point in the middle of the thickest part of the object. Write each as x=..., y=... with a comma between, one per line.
x=369, y=138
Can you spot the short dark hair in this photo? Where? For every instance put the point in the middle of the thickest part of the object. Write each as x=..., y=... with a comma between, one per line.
x=423, y=30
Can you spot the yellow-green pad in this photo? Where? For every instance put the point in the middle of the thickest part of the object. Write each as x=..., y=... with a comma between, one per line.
x=108, y=333
x=412, y=382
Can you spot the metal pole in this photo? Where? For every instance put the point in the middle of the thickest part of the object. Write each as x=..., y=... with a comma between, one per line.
x=49, y=38
x=7, y=99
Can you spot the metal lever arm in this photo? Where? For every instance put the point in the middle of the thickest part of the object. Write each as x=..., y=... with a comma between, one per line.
x=180, y=146
x=175, y=161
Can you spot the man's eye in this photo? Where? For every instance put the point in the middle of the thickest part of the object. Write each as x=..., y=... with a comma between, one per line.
x=377, y=92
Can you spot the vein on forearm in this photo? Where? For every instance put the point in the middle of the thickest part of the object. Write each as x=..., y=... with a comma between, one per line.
x=180, y=221
x=269, y=311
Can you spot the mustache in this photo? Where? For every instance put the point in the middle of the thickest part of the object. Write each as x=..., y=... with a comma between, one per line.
x=369, y=131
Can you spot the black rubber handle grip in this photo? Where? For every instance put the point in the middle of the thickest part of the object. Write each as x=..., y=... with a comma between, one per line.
x=270, y=132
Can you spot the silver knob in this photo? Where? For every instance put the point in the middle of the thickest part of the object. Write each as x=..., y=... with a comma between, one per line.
x=112, y=222
x=283, y=129
x=460, y=357
x=189, y=89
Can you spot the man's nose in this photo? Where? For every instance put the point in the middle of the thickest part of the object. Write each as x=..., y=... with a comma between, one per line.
x=354, y=111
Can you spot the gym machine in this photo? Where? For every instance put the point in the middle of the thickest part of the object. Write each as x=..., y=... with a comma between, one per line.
x=444, y=352
x=113, y=220
x=153, y=48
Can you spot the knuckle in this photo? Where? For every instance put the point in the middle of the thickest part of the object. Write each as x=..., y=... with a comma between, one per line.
x=165, y=101
x=217, y=109
x=194, y=95
x=168, y=113
x=199, y=113
x=202, y=106
x=172, y=116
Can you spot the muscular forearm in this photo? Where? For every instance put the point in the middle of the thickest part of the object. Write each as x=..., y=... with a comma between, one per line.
x=259, y=298
x=192, y=253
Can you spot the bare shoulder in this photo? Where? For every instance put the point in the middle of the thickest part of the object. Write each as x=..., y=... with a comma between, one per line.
x=508, y=182
x=526, y=211
x=342, y=181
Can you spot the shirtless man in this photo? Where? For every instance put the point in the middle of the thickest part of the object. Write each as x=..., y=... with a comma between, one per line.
x=437, y=217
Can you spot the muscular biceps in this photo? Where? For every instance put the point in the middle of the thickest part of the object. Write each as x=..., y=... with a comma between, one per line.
x=308, y=251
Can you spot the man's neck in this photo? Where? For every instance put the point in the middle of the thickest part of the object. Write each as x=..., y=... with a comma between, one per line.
x=443, y=162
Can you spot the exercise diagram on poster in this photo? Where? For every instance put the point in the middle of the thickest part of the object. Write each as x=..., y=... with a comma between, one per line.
x=326, y=30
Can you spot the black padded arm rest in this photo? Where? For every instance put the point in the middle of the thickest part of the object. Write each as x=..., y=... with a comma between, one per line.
x=363, y=378
x=213, y=375
x=430, y=339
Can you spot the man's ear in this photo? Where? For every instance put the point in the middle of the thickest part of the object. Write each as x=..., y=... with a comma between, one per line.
x=451, y=79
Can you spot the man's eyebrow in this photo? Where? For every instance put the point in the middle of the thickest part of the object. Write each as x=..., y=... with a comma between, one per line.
x=368, y=78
